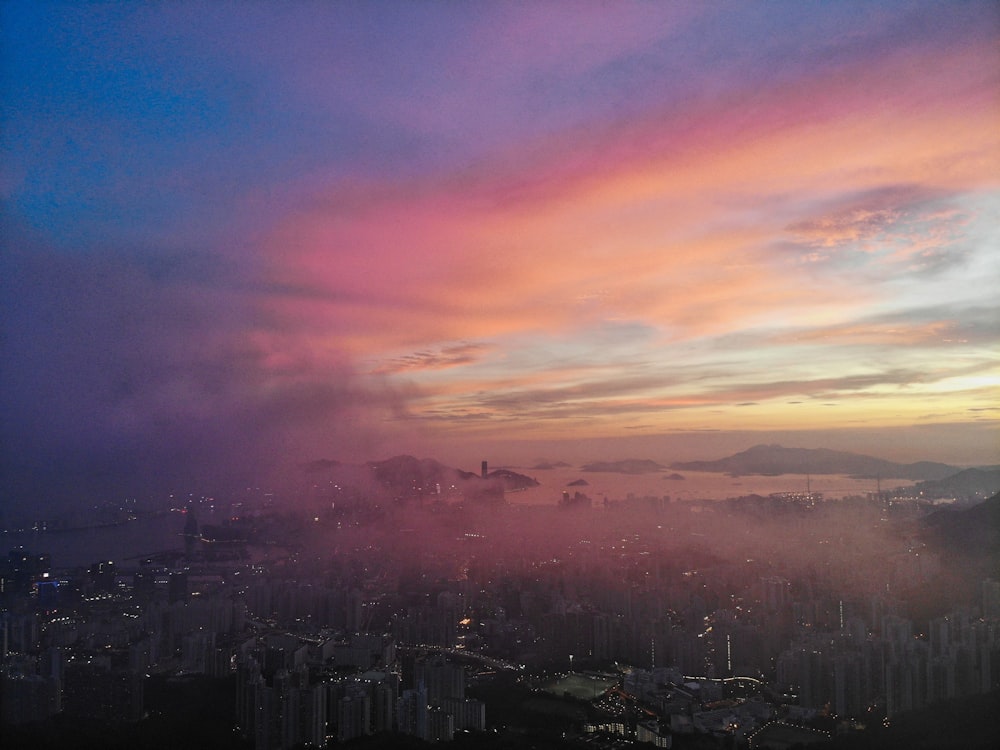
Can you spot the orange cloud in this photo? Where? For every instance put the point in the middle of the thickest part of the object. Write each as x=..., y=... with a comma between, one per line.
x=675, y=221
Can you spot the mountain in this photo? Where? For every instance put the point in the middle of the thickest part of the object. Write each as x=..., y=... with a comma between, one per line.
x=629, y=466
x=774, y=460
x=408, y=474
x=967, y=483
x=512, y=481
x=543, y=465
x=975, y=530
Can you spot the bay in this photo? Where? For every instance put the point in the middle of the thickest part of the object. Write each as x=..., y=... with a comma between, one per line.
x=695, y=485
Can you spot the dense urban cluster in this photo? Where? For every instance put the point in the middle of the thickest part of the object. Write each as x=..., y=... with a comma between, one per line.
x=787, y=618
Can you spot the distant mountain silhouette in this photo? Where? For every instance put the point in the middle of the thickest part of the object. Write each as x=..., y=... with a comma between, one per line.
x=406, y=476
x=972, y=531
x=774, y=460
x=406, y=473
x=966, y=483
x=512, y=481
x=546, y=465
x=629, y=466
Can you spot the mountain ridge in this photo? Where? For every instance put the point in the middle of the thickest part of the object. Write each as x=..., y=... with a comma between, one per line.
x=965, y=483
x=407, y=475
x=776, y=460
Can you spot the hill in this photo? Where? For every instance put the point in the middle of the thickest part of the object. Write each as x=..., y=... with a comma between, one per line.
x=543, y=465
x=512, y=481
x=966, y=483
x=774, y=460
x=972, y=531
x=406, y=476
x=409, y=474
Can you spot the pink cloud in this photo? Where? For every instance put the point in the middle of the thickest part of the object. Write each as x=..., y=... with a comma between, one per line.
x=671, y=220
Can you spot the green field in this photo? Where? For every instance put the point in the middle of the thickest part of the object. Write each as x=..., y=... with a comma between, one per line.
x=580, y=686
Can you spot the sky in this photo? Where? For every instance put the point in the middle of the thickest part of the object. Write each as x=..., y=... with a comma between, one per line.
x=239, y=236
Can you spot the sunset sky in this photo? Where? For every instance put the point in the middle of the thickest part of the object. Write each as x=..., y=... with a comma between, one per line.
x=242, y=234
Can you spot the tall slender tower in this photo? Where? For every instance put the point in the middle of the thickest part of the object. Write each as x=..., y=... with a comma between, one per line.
x=190, y=531
x=485, y=470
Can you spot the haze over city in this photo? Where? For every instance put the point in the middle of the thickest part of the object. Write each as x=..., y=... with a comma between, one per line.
x=499, y=374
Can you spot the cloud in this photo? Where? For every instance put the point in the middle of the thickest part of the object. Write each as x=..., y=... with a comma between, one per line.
x=906, y=229
x=935, y=324
x=443, y=358
x=533, y=240
x=845, y=227
x=486, y=220
x=130, y=378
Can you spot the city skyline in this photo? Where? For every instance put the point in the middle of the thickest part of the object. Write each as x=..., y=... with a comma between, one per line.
x=241, y=239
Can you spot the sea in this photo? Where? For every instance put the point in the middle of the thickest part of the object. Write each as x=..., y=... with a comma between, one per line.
x=694, y=485
x=124, y=544
x=128, y=542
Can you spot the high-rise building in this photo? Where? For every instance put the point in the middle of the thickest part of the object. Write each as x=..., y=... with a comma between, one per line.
x=468, y=713
x=443, y=679
x=991, y=599
x=411, y=712
x=440, y=725
x=384, y=706
x=191, y=535
x=848, y=685
x=353, y=716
